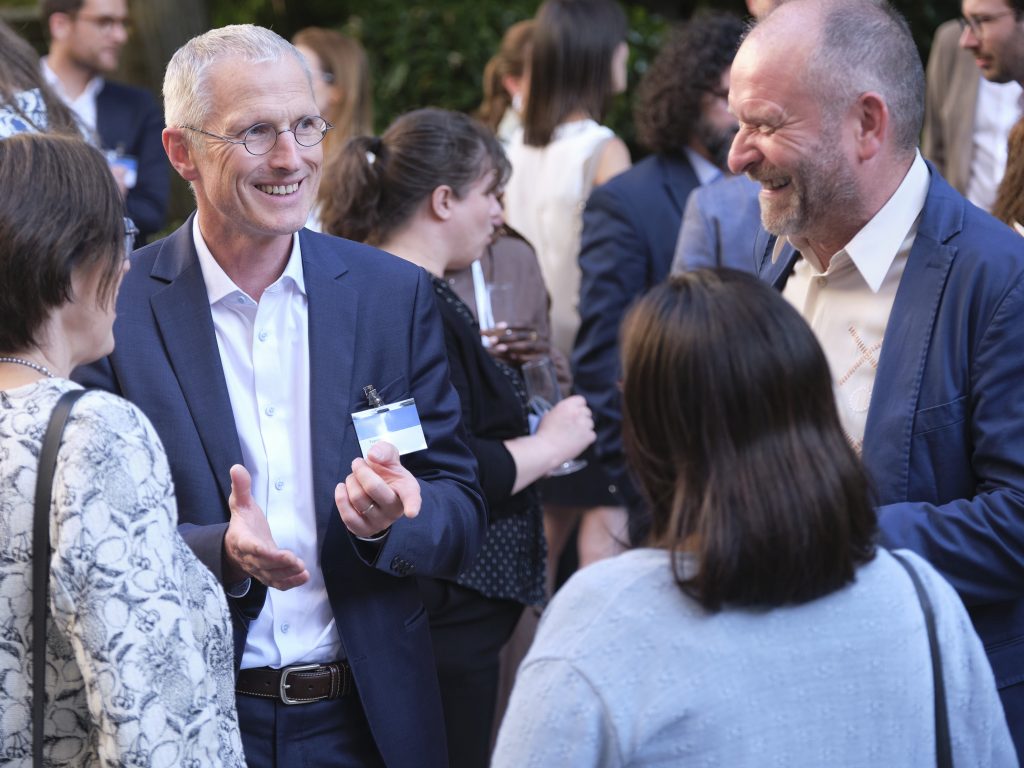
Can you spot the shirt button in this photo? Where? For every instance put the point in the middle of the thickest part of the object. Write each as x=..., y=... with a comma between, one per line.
x=285, y=628
x=269, y=410
x=264, y=335
x=279, y=484
x=241, y=299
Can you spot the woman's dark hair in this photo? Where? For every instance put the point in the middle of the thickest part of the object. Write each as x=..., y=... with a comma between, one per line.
x=1009, y=205
x=19, y=71
x=570, y=64
x=688, y=67
x=510, y=60
x=68, y=216
x=381, y=181
x=731, y=428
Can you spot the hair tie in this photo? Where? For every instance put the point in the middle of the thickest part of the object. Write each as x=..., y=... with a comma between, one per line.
x=373, y=149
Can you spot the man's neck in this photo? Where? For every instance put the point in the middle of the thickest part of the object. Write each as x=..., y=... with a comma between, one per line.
x=72, y=75
x=252, y=264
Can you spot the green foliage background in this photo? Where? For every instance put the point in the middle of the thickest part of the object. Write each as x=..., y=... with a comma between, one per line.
x=432, y=52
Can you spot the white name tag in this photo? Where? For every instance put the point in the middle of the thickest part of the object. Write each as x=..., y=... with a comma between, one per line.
x=396, y=423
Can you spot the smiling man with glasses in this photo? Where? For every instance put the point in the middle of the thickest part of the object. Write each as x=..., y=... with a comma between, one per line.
x=86, y=38
x=249, y=340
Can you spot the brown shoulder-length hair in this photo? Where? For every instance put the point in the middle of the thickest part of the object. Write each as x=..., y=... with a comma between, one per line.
x=70, y=217
x=731, y=428
x=1009, y=205
x=380, y=182
x=510, y=60
x=570, y=64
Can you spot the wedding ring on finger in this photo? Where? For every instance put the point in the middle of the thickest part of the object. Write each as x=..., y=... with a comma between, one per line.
x=365, y=512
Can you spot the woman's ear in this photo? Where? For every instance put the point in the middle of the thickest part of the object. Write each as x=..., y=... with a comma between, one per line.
x=442, y=200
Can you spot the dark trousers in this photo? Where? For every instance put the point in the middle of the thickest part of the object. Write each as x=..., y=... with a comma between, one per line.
x=468, y=631
x=325, y=734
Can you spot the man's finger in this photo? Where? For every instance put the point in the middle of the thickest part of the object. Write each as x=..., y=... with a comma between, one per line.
x=241, y=485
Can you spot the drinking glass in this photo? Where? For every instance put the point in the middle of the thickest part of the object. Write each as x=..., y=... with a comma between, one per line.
x=542, y=389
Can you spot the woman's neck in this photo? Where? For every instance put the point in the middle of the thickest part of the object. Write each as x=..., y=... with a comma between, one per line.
x=414, y=247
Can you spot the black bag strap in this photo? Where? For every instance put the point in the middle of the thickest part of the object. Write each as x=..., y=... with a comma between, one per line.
x=41, y=561
x=943, y=750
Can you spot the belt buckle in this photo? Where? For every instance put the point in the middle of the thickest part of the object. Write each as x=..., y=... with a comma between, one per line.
x=283, y=687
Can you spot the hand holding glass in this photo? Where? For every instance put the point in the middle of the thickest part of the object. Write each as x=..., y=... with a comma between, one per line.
x=543, y=391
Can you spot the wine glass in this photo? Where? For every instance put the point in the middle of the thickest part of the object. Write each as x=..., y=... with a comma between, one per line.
x=543, y=392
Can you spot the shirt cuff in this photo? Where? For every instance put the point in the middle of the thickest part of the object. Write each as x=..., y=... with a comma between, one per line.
x=378, y=537
x=239, y=589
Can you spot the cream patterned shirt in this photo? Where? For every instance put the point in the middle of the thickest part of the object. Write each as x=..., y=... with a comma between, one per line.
x=139, y=647
x=847, y=305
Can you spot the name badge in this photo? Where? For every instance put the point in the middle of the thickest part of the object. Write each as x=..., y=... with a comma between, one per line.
x=397, y=423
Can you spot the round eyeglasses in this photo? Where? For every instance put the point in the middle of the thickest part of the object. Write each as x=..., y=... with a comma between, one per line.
x=262, y=137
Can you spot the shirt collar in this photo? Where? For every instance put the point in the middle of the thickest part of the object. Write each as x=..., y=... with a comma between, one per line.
x=706, y=170
x=219, y=286
x=91, y=90
x=874, y=248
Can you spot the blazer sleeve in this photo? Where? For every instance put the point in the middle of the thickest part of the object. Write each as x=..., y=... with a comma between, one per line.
x=613, y=265
x=977, y=541
x=698, y=244
x=444, y=538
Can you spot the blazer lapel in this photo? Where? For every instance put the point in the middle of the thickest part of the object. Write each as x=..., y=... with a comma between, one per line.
x=182, y=312
x=908, y=335
x=777, y=272
x=679, y=180
x=333, y=329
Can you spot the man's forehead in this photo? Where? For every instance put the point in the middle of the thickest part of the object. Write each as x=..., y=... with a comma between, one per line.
x=114, y=8
x=245, y=92
x=984, y=7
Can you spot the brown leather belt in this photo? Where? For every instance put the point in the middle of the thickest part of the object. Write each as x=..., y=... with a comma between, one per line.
x=298, y=684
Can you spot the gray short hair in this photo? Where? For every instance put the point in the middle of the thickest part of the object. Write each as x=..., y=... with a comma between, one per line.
x=866, y=45
x=186, y=90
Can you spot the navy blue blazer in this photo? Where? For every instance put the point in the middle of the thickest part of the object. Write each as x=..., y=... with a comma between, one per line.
x=721, y=227
x=630, y=226
x=944, y=440
x=372, y=320
x=129, y=119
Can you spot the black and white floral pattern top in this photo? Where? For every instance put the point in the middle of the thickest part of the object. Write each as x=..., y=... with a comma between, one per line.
x=139, y=650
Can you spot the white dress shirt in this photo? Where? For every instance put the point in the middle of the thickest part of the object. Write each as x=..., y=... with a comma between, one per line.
x=997, y=109
x=84, y=105
x=264, y=350
x=848, y=304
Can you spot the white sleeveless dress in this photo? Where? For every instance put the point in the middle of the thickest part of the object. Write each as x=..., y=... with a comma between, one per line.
x=544, y=201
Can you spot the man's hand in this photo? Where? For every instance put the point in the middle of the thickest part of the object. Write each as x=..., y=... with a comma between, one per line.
x=378, y=492
x=250, y=546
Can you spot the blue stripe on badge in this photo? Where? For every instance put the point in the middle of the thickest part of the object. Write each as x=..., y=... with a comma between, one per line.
x=403, y=417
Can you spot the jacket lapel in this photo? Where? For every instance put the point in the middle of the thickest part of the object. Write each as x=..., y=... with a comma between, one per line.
x=908, y=335
x=333, y=329
x=182, y=312
x=679, y=180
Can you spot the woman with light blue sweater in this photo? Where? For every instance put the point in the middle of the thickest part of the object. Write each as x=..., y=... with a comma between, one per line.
x=761, y=626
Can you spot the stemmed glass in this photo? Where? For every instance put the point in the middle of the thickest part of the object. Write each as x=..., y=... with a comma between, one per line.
x=543, y=391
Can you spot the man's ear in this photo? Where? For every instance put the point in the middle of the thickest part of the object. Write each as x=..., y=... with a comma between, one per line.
x=59, y=25
x=180, y=153
x=441, y=202
x=871, y=125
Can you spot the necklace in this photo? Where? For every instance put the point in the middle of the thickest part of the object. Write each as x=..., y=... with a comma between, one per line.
x=34, y=366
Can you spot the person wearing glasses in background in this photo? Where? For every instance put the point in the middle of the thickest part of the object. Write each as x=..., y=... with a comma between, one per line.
x=86, y=38
x=249, y=342
x=993, y=31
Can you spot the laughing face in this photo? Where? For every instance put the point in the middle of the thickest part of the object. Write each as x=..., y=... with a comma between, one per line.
x=788, y=144
x=240, y=196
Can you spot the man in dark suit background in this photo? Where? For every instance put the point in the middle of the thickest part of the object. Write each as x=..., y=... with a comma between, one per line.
x=915, y=295
x=86, y=38
x=248, y=342
x=630, y=224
